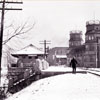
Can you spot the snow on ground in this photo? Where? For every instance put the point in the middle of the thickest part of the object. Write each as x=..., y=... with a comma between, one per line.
x=59, y=69
x=62, y=87
x=96, y=69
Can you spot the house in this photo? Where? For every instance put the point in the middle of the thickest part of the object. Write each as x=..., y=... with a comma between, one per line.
x=25, y=63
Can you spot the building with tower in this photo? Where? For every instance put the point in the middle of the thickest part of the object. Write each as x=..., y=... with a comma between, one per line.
x=87, y=54
x=92, y=44
x=75, y=38
x=76, y=48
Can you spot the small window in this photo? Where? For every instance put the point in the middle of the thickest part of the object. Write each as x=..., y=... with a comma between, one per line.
x=86, y=46
x=89, y=37
x=13, y=65
x=30, y=57
x=23, y=57
x=97, y=28
x=92, y=37
x=61, y=51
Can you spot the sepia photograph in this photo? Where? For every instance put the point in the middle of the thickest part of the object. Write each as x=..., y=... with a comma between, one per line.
x=49, y=49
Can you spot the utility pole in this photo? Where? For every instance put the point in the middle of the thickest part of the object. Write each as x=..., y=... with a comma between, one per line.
x=3, y=2
x=45, y=42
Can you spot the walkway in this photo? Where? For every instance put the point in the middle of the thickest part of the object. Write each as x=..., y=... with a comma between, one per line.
x=62, y=87
x=54, y=70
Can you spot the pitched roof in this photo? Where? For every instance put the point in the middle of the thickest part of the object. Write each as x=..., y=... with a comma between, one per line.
x=29, y=50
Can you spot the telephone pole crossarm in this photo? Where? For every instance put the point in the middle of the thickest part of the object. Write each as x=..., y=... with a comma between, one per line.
x=46, y=43
x=12, y=2
x=11, y=9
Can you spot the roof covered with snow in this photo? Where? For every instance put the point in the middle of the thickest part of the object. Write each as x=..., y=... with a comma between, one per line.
x=29, y=50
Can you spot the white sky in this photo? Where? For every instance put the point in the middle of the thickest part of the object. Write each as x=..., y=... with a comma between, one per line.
x=54, y=20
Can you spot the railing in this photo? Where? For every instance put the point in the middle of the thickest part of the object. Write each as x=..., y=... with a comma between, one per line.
x=91, y=22
x=75, y=31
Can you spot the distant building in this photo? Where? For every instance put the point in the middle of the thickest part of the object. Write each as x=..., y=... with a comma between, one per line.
x=75, y=38
x=87, y=54
x=75, y=47
x=92, y=44
x=57, y=56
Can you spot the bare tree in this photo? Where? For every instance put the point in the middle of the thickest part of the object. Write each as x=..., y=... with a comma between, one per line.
x=18, y=31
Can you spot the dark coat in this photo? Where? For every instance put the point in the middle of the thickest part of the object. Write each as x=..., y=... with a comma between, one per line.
x=73, y=63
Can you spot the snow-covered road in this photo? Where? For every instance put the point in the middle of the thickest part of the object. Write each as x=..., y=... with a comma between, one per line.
x=62, y=87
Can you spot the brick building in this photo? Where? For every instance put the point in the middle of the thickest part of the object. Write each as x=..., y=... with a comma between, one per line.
x=87, y=54
x=76, y=48
x=75, y=38
x=57, y=56
x=92, y=44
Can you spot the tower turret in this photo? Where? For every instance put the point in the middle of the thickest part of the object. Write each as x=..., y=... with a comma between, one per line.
x=92, y=44
x=75, y=38
x=92, y=31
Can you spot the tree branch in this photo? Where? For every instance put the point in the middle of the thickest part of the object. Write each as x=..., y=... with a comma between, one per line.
x=20, y=30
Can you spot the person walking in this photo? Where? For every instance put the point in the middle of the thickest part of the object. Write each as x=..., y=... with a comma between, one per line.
x=73, y=64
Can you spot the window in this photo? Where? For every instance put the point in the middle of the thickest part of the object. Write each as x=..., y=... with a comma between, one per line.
x=72, y=44
x=78, y=43
x=30, y=57
x=92, y=58
x=98, y=40
x=13, y=65
x=96, y=28
x=87, y=47
x=90, y=38
x=91, y=48
x=23, y=57
x=61, y=52
x=57, y=52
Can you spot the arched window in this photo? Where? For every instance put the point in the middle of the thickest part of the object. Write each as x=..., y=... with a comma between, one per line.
x=87, y=47
x=92, y=37
x=89, y=37
x=72, y=44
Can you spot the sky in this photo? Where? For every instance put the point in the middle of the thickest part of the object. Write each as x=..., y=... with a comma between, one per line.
x=53, y=20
